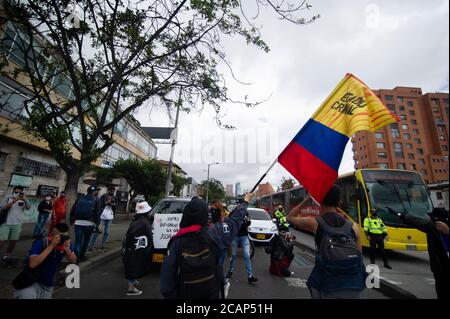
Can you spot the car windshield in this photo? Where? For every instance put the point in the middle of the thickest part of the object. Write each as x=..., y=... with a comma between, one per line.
x=258, y=215
x=169, y=207
x=396, y=193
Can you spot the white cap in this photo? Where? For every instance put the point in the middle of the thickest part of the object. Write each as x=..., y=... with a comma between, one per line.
x=143, y=208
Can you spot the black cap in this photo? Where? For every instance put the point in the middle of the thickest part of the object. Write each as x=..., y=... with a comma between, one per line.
x=195, y=213
x=92, y=189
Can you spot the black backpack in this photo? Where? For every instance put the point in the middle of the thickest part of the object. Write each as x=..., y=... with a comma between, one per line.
x=198, y=275
x=337, y=243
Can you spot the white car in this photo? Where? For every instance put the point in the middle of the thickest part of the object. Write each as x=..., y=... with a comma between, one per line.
x=262, y=228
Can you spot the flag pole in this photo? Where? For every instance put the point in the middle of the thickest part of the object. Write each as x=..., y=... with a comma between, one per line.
x=262, y=177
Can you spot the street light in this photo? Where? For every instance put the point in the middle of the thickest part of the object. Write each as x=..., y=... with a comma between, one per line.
x=207, y=180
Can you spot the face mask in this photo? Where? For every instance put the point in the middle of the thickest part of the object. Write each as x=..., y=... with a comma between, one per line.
x=48, y=199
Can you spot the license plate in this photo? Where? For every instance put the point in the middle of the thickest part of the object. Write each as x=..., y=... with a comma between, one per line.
x=411, y=247
x=260, y=236
x=158, y=258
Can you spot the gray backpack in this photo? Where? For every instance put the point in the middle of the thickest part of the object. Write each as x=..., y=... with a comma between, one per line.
x=337, y=243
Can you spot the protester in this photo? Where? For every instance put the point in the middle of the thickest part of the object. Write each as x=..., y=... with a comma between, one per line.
x=45, y=209
x=138, y=248
x=339, y=270
x=59, y=209
x=281, y=254
x=243, y=241
x=44, y=261
x=14, y=205
x=106, y=218
x=85, y=215
x=199, y=245
x=376, y=234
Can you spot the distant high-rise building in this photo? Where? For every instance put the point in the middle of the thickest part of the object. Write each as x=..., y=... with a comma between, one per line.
x=229, y=190
x=238, y=189
x=419, y=142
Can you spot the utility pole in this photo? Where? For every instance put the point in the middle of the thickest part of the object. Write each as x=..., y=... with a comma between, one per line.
x=172, y=151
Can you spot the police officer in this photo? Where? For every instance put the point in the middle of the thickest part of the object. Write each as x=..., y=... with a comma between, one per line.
x=281, y=219
x=376, y=232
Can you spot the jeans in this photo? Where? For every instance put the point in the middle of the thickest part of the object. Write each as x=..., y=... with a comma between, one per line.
x=39, y=229
x=245, y=244
x=82, y=237
x=106, y=226
x=35, y=291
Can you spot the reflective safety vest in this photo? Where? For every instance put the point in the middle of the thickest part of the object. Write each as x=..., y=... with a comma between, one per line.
x=374, y=226
x=279, y=214
x=283, y=222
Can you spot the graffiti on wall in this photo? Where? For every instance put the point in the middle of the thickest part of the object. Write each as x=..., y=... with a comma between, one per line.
x=31, y=215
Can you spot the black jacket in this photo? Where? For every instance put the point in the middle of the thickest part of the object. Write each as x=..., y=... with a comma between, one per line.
x=137, y=244
x=44, y=205
x=95, y=216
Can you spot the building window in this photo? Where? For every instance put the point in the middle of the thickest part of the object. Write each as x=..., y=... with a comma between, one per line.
x=444, y=148
x=409, y=146
x=405, y=126
x=389, y=97
x=417, y=140
x=383, y=165
x=398, y=150
x=407, y=136
x=391, y=107
x=413, y=167
x=442, y=137
x=410, y=156
x=401, y=166
x=382, y=155
x=401, y=108
x=412, y=113
x=399, y=98
x=380, y=145
x=434, y=102
x=395, y=130
x=420, y=151
x=410, y=103
x=421, y=161
x=441, y=128
x=439, y=195
x=379, y=135
x=403, y=117
x=36, y=168
x=424, y=172
x=415, y=131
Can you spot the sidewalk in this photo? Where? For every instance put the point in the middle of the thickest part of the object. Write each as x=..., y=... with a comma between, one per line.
x=118, y=228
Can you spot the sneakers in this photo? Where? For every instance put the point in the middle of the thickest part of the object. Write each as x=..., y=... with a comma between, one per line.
x=134, y=292
x=387, y=266
x=252, y=279
x=229, y=274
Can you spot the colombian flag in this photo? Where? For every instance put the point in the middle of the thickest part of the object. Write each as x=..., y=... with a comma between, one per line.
x=314, y=155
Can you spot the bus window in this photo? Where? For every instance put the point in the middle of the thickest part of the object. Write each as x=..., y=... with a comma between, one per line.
x=349, y=202
x=295, y=197
x=364, y=212
x=277, y=199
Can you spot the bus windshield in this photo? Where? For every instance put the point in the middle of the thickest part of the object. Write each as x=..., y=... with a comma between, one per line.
x=396, y=193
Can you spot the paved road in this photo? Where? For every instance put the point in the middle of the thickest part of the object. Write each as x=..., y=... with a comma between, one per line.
x=107, y=282
x=410, y=269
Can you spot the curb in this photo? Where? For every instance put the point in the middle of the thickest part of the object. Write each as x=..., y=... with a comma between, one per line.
x=386, y=288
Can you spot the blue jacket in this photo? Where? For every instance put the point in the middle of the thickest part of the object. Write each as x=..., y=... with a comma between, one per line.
x=221, y=236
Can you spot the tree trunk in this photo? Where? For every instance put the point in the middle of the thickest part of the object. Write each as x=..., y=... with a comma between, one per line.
x=71, y=189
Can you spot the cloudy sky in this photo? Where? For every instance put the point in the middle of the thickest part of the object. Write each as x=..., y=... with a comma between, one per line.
x=385, y=43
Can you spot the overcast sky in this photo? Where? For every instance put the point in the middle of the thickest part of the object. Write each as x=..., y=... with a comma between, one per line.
x=385, y=43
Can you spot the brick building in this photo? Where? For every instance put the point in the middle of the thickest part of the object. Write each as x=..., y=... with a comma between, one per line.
x=419, y=142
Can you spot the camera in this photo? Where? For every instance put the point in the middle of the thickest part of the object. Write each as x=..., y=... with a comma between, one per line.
x=63, y=239
x=21, y=203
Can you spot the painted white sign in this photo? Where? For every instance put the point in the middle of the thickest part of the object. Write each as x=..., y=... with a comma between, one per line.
x=164, y=227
